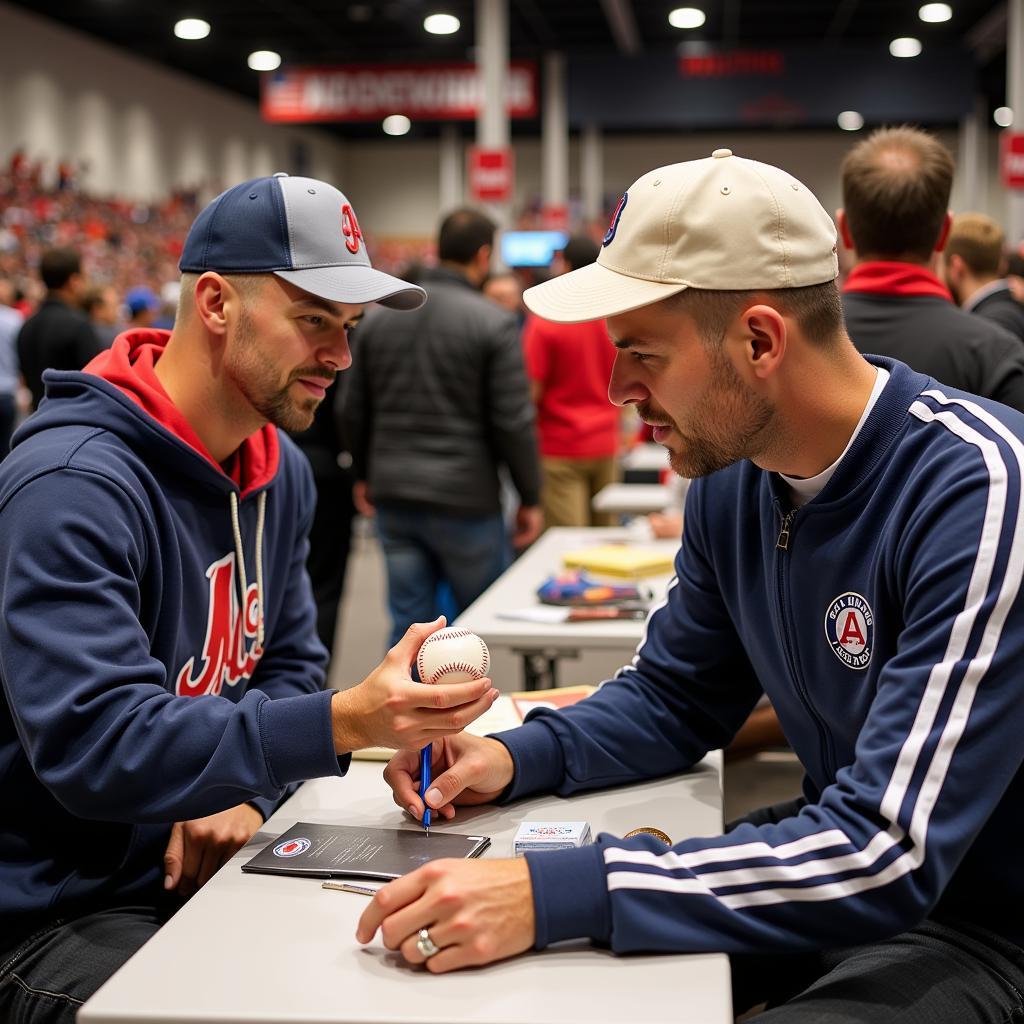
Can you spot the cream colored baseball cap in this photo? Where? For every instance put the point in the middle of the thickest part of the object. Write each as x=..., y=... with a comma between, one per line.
x=722, y=223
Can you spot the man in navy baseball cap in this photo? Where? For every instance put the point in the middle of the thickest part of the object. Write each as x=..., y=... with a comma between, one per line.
x=277, y=269
x=155, y=519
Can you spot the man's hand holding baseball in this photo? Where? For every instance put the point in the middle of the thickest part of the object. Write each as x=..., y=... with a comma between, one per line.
x=388, y=709
x=474, y=912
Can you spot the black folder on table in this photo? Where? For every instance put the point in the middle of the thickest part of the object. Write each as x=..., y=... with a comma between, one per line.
x=348, y=851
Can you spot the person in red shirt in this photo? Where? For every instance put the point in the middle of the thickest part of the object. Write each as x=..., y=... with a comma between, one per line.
x=569, y=366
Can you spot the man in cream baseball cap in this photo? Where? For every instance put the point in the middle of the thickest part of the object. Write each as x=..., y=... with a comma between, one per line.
x=690, y=244
x=848, y=552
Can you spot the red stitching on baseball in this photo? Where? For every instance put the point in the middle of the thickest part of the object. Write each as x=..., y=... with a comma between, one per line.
x=454, y=666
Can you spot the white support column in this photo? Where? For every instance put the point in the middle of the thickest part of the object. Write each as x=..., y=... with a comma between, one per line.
x=1015, y=101
x=492, y=53
x=972, y=160
x=450, y=159
x=592, y=174
x=555, y=137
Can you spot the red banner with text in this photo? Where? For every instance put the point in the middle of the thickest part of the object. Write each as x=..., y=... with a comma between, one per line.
x=370, y=92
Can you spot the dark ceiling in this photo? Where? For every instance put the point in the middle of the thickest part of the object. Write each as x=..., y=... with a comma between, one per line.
x=339, y=31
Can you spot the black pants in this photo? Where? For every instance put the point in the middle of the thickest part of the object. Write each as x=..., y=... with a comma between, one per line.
x=47, y=977
x=937, y=973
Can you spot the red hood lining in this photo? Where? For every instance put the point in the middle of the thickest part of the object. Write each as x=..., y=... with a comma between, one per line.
x=130, y=365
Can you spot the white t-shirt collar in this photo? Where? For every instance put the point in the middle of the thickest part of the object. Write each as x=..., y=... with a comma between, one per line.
x=803, y=490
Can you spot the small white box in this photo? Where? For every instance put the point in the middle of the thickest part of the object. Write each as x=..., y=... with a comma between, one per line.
x=550, y=835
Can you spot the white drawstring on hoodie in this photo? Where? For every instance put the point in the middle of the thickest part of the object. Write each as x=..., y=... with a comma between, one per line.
x=261, y=510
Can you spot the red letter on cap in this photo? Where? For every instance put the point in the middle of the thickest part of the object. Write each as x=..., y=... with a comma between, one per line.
x=350, y=229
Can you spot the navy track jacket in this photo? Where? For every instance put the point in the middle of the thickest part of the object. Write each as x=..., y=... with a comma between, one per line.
x=142, y=683
x=889, y=635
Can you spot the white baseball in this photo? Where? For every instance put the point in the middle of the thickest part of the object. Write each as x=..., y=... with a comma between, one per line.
x=453, y=655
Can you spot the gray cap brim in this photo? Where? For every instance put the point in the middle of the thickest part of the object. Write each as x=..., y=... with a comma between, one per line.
x=356, y=286
x=594, y=293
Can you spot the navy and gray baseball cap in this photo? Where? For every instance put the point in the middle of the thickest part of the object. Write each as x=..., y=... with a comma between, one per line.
x=300, y=229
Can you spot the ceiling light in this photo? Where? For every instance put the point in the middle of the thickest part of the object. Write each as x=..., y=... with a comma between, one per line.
x=192, y=28
x=441, y=24
x=850, y=121
x=396, y=124
x=1003, y=116
x=264, y=60
x=905, y=46
x=686, y=17
x=935, y=13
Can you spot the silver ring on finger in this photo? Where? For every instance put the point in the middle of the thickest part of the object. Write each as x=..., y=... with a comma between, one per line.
x=426, y=945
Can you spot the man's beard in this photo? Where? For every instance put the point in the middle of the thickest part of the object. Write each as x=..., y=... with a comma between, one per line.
x=276, y=405
x=734, y=424
x=281, y=409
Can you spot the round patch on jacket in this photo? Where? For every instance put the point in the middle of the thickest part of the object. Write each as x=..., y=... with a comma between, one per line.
x=850, y=629
x=292, y=848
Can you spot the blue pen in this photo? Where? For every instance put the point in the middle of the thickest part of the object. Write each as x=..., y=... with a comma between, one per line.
x=426, y=756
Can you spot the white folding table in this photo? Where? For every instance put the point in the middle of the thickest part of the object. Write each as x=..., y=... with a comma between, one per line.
x=261, y=949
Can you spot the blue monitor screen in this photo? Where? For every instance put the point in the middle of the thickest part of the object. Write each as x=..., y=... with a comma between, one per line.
x=531, y=248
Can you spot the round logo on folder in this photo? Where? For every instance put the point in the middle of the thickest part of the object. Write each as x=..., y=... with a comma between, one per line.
x=292, y=848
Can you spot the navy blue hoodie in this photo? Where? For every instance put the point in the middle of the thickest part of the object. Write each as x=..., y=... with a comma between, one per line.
x=159, y=662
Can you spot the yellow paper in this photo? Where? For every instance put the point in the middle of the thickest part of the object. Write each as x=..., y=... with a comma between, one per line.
x=623, y=560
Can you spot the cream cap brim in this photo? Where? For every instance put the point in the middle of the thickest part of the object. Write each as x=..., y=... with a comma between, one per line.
x=594, y=293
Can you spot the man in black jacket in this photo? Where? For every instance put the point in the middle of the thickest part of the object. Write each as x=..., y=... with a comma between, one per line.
x=59, y=336
x=974, y=268
x=896, y=186
x=436, y=402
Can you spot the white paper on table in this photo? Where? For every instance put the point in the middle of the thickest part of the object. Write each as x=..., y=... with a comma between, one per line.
x=545, y=613
x=501, y=715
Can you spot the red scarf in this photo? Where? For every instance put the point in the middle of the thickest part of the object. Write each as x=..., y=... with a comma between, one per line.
x=881, y=277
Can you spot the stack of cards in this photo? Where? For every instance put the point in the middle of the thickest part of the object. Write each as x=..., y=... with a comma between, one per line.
x=550, y=835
